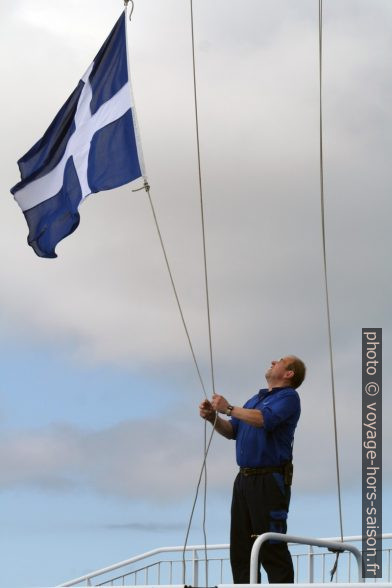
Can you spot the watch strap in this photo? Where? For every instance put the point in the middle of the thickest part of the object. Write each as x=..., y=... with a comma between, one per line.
x=229, y=410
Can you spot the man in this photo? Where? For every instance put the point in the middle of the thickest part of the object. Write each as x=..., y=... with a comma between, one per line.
x=264, y=434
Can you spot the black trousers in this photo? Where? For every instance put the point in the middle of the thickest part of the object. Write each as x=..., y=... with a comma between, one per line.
x=260, y=504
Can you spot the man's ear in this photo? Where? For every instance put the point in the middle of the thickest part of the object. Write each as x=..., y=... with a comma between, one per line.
x=289, y=374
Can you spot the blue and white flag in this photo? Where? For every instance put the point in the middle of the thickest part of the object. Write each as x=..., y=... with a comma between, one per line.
x=90, y=146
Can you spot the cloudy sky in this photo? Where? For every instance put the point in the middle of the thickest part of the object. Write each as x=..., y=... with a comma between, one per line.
x=101, y=442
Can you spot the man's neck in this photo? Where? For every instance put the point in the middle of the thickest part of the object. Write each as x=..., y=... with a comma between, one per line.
x=280, y=384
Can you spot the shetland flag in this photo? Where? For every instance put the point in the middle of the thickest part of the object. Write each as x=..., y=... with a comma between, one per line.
x=90, y=146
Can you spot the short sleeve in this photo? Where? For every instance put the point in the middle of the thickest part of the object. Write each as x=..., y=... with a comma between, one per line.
x=282, y=409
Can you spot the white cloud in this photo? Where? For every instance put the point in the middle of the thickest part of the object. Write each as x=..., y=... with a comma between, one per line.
x=150, y=460
x=160, y=459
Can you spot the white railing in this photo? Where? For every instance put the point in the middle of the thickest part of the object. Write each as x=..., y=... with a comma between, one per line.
x=336, y=546
x=162, y=570
x=165, y=566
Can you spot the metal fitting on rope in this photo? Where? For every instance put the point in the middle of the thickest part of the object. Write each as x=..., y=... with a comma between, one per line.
x=126, y=2
x=146, y=187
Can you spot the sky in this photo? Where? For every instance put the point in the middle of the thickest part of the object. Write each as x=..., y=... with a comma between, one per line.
x=101, y=441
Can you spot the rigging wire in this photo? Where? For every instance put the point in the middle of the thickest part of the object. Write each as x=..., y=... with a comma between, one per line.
x=320, y=14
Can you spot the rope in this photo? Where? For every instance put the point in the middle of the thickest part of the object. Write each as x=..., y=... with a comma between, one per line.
x=335, y=566
x=325, y=266
x=203, y=468
x=147, y=189
x=206, y=445
x=201, y=199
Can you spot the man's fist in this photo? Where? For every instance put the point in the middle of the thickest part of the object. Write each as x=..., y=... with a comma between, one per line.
x=219, y=403
x=207, y=411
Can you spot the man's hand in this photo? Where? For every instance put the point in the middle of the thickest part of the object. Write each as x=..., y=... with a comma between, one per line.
x=219, y=403
x=207, y=411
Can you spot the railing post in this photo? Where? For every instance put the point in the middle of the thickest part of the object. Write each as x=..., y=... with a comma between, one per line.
x=195, y=568
x=310, y=565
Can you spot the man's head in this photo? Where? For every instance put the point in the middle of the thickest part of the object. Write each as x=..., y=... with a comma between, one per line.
x=287, y=371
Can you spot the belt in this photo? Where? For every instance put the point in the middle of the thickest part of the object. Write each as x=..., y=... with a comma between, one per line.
x=261, y=471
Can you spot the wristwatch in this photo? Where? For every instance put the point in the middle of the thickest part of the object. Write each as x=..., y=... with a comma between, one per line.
x=229, y=409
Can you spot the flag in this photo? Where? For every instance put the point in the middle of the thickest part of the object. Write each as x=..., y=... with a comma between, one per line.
x=90, y=146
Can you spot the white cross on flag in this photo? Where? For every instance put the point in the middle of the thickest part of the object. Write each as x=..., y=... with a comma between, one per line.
x=90, y=146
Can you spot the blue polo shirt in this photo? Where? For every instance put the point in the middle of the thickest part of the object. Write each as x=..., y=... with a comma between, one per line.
x=272, y=444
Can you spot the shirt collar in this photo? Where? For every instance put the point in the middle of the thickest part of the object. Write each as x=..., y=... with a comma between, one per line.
x=265, y=391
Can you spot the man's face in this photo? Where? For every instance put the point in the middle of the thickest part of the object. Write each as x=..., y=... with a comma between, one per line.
x=278, y=369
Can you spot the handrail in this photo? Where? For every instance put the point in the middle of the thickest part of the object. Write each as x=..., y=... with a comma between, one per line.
x=335, y=545
x=191, y=548
x=136, y=558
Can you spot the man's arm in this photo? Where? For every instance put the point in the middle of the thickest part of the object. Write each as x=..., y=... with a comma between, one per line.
x=222, y=426
x=251, y=416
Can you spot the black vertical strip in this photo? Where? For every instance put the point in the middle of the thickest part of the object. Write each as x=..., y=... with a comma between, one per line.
x=372, y=452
